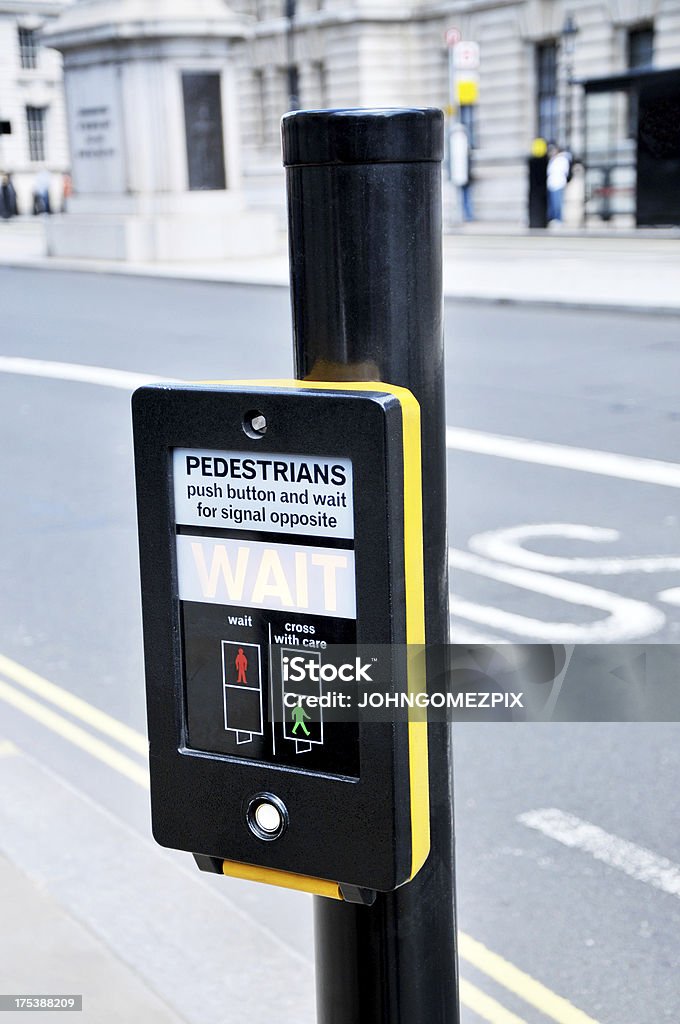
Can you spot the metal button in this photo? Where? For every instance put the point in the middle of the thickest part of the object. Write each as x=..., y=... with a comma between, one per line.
x=267, y=816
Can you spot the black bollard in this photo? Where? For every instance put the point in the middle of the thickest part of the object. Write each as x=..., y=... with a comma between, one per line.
x=538, y=191
x=365, y=221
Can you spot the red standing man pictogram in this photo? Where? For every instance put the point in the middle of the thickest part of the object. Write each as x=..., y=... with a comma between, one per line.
x=241, y=663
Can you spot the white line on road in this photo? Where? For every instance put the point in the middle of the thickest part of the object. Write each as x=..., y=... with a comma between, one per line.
x=583, y=460
x=506, y=545
x=671, y=596
x=628, y=619
x=78, y=372
x=633, y=860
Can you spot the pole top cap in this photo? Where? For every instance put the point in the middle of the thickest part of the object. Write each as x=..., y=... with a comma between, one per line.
x=383, y=135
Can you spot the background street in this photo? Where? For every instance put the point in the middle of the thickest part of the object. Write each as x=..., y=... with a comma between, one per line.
x=553, y=537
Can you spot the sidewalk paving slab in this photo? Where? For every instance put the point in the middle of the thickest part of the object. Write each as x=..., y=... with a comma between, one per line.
x=45, y=951
x=138, y=929
x=634, y=273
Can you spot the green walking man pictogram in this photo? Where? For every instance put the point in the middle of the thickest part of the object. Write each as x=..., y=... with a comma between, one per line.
x=299, y=715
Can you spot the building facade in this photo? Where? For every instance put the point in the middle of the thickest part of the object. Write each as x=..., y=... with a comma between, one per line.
x=327, y=53
x=320, y=53
x=31, y=99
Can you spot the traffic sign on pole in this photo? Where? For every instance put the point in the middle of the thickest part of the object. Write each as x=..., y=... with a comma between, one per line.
x=453, y=36
x=466, y=56
x=281, y=542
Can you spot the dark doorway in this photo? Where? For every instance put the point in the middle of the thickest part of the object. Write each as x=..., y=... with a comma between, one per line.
x=658, y=142
x=203, y=125
x=632, y=147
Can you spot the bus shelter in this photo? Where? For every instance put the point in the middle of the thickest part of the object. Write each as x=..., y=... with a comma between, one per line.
x=631, y=150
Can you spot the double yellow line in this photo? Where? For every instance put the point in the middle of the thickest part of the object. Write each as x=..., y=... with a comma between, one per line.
x=554, y=1007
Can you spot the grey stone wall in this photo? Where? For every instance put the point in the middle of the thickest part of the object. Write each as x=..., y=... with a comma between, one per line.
x=374, y=53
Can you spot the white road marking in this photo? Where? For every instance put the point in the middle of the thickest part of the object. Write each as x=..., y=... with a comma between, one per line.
x=505, y=545
x=671, y=596
x=78, y=372
x=619, y=626
x=635, y=861
x=583, y=460
x=628, y=619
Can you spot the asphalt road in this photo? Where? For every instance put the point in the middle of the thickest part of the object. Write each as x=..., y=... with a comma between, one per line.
x=581, y=911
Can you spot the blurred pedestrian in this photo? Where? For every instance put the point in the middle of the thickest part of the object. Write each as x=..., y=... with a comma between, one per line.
x=558, y=173
x=41, y=192
x=66, y=191
x=461, y=169
x=8, y=198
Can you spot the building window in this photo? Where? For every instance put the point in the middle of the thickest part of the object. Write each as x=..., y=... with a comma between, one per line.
x=35, y=120
x=640, y=55
x=203, y=123
x=260, y=107
x=641, y=47
x=293, y=87
x=546, y=90
x=28, y=47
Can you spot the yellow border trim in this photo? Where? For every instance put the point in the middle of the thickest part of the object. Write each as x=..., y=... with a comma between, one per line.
x=415, y=622
x=284, y=879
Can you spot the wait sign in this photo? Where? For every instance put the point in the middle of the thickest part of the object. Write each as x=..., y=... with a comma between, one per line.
x=253, y=574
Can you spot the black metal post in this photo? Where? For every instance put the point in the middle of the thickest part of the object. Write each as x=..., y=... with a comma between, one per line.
x=364, y=203
x=538, y=191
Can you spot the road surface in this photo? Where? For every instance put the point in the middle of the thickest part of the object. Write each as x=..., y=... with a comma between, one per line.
x=568, y=851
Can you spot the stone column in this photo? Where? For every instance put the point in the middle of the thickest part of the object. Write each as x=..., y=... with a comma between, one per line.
x=153, y=125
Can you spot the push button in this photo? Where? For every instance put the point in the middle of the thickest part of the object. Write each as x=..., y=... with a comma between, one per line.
x=267, y=816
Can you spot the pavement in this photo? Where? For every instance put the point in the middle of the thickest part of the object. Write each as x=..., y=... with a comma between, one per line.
x=94, y=909
x=488, y=263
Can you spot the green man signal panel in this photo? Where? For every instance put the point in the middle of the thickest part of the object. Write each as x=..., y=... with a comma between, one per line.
x=279, y=522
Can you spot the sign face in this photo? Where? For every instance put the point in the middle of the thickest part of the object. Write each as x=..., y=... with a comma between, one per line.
x=466, y=56
x=266, y=560
x=453, y=36
x=468, y=92
x=265, y=492
x=265, y=594
x=94, y=115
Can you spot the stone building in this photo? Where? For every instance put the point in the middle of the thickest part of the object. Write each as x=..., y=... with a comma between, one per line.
x=321, y=53
x=31, y=99
x=381, y=52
